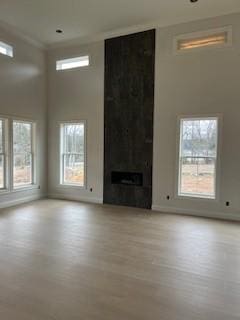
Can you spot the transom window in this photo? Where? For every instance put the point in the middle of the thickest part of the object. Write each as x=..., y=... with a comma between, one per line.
x=198, y=157
x=214, y=38
x=22, y=153
x=6, y=49
x=73, y=154
x=72, y=63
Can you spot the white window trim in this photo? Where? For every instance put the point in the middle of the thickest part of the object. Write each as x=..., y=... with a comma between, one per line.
x=33, y=153
x=9, y=156
x=200, y=197
x=199, y=34
x=68, y=185
x=5, y=154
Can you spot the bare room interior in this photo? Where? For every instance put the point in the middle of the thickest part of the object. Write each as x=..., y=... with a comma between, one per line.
x=119, y=173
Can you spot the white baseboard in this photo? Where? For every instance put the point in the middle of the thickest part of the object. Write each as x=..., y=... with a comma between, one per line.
x=15, y=202
x=197, y=213
x=74, y=198
x=163, y=209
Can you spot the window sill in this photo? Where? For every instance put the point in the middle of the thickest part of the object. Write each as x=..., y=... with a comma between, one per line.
x=4, y=191
x=196, y=197
x=20, y=189
x=71, y=186
x=25, y=188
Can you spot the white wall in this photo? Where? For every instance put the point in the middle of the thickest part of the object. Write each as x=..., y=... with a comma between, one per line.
x=77, y=94
x=204, y=82
x=197, y=83
x=23, y=94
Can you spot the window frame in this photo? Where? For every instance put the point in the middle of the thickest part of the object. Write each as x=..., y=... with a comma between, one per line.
x=61, y=62
x=33, y=155
x=62, y=184
x=203, y=33
x=5, y=154
x=9, y=155
x=9, y=49
x=200, y=197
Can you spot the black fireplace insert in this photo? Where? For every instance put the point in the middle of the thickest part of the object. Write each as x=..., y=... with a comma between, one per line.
x=127, y=178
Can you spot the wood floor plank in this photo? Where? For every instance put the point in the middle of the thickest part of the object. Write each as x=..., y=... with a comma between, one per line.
x=67, y=260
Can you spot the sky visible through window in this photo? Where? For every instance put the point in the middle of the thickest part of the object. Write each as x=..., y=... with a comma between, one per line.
x=72, y=63
x=6, y=49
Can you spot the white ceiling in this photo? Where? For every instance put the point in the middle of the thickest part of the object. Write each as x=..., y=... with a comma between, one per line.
x=88, y=18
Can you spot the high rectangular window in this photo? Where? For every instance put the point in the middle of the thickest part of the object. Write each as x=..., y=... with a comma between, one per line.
x=73, y=154
x=215, y=38
x=3, y=161
x=23, y=153
x=72, y=63
x=6, y=49
x=198, y=157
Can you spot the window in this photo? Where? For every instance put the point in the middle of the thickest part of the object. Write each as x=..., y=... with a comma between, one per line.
x=72, y=63
x=73, y=154
x=6, y=49
x=17, y=168
x=202, y=42
x=211, y=38
x=23, y=156
x=2, y=154
x=198, y=157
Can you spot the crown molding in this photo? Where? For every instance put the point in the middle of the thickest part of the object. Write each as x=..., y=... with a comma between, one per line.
x=21, y=35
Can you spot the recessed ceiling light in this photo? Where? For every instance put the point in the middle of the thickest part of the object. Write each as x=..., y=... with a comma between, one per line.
x=193, y=1
x=59, y=31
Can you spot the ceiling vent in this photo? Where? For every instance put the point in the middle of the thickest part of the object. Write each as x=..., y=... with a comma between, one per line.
x=216, y=38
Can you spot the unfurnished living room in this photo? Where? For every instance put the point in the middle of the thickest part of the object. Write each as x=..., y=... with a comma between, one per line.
x=119, y=172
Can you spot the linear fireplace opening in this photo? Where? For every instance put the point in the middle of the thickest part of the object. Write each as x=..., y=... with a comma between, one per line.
x=127, y=178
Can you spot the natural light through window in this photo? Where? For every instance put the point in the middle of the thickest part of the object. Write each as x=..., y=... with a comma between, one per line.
x=6, y=49
x=22, y=153
x=215, y=38
x=73, y=154
x=198, y=157
x=203, y=41
x=72, y=63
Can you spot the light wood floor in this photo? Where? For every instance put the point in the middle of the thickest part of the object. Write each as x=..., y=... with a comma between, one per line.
x=62, y=260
